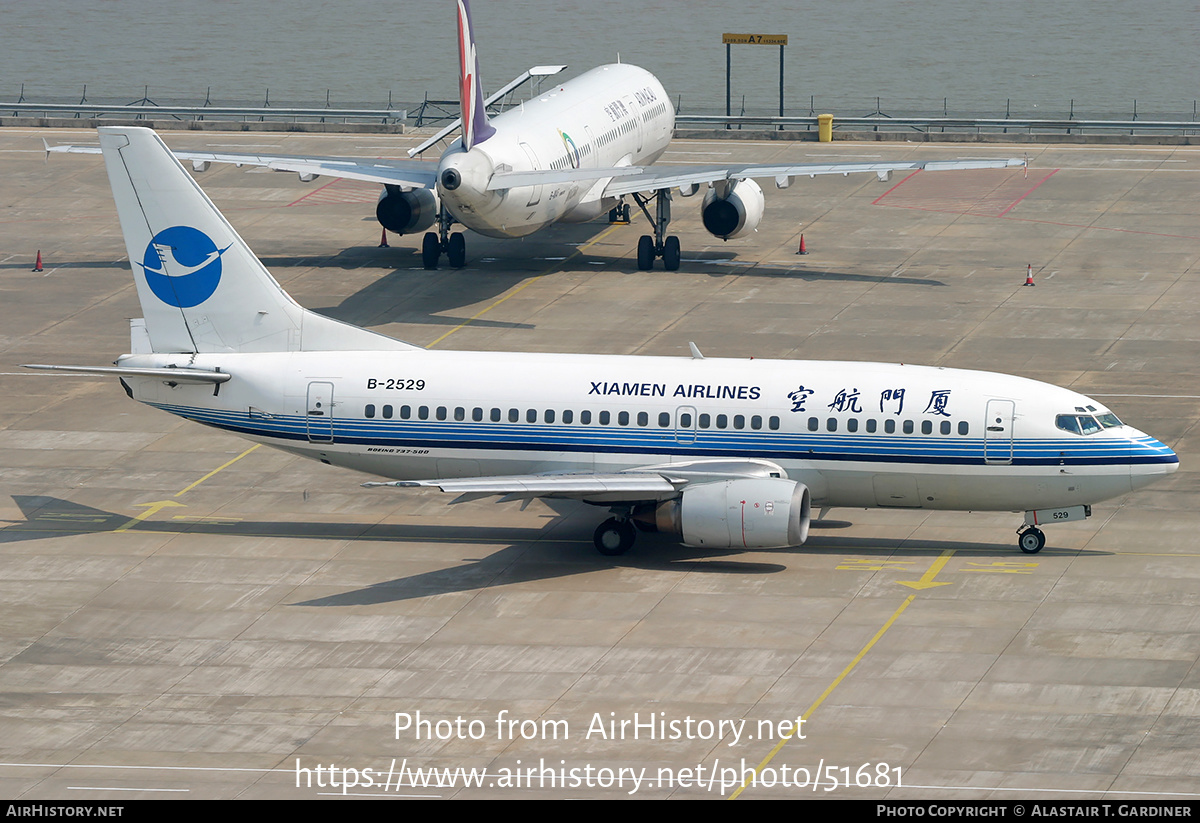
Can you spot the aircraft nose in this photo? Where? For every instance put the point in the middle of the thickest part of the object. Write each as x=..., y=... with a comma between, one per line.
x=1150, y=460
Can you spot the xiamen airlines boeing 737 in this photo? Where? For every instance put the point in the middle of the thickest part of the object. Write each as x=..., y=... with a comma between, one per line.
x=723, y=453
x=570, y=155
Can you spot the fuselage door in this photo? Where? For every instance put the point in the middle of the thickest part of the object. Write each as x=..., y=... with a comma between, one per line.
x=319, y=415
x=535, y=192
x=998, y=432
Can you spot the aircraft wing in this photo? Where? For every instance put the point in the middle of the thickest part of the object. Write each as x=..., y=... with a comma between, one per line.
x=630, y=179
x=644, y=483
x=411, y=173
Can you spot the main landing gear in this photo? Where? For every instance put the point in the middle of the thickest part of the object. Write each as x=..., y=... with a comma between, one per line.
x=614, y=536
x=619, y=215
x=1031, y=540
x=659, y=245
x=434, y=243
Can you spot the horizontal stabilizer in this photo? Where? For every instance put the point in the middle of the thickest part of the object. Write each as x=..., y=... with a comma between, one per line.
x=180, y=375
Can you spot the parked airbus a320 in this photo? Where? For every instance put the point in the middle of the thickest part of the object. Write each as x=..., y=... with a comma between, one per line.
x=570, y=155
x=722, y=453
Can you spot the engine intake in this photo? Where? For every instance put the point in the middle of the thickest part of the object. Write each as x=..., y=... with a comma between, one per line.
x=736, y=211
x=406, y=212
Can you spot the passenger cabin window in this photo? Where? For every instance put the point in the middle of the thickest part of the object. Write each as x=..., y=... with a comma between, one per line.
x=370, y=410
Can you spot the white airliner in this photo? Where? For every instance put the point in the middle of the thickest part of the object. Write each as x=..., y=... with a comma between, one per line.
x=721, y=452
x=570, y=155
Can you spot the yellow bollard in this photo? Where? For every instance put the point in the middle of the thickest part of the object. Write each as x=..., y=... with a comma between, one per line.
x=825, y=127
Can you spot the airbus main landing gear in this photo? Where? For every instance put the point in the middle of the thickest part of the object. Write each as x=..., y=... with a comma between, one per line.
x=619, y=214
x=436, y=242
x=659, y=245
x=1031, y=540
x=614, y=536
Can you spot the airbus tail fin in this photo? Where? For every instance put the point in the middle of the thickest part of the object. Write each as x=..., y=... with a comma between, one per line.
x=200, y=286
x=475, y=126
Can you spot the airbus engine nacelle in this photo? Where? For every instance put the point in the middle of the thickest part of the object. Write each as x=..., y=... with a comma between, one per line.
x=752, y=513
x=736, y=212
x=406, y=212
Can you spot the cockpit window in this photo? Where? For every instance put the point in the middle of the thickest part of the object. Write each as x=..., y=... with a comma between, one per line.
x=1085, y=423
x=1068, y=423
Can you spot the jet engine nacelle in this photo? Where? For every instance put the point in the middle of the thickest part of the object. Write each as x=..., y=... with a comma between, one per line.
x=735, y=212
x=406, y=212
x=754, y=513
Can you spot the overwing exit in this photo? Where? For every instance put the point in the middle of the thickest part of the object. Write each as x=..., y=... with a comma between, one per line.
x=572, y=154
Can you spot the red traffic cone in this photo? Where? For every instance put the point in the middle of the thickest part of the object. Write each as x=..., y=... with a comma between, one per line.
x=383, y=243
x=38, y=265
x=802, y=249
x=1029, y=276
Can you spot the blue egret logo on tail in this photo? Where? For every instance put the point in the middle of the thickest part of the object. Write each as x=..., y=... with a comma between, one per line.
x=183, y=266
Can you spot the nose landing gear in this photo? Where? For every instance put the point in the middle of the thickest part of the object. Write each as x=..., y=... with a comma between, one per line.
x=1031, y=540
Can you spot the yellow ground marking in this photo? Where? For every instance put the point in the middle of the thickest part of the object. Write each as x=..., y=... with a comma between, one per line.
x=828, y=691
x=159, y=505
x=220, y=468
x=927, y=581
x=151, y=508
x=933, y=570
x=558, y=265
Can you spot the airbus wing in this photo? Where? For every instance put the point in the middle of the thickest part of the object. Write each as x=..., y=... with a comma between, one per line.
x=414, y=173
x=631, y=179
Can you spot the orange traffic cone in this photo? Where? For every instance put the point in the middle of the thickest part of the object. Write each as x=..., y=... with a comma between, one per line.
x=802, y=249
x=38, y=265
x=383, y=243
x=1029, y=276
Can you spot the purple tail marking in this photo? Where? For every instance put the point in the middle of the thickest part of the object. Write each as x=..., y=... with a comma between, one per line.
x=475, y=127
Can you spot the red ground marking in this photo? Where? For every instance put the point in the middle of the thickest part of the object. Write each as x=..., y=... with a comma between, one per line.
x=981, y=192
x=340, y=191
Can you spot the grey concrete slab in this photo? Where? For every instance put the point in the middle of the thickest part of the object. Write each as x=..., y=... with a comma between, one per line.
x=279, y=615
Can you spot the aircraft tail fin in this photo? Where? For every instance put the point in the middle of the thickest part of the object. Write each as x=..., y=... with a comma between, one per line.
x=475, y=126
x=201, y=287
